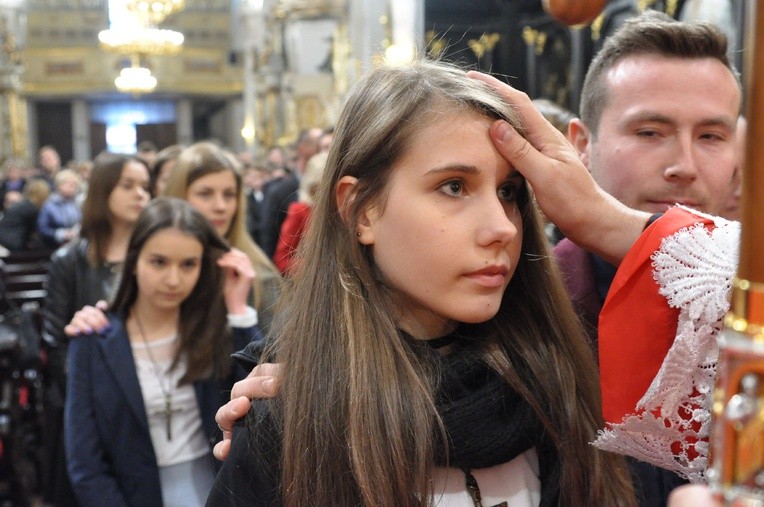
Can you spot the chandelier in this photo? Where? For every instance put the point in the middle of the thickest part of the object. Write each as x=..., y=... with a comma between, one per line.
x=135, y=79
x=153, y=12
x=134, y=32
x=145, y=41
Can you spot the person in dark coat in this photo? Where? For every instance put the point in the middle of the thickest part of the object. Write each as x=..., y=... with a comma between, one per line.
x=18, y=226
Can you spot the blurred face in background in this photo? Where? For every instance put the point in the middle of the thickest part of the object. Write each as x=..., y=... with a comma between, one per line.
x=11, y=198
x=215, y=196
x=49, y=160
x=131, y=194
x=68, y=188
x=255, y=178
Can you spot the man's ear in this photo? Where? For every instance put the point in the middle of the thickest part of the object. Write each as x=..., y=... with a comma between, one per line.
x=581, y=139
x=345, y=194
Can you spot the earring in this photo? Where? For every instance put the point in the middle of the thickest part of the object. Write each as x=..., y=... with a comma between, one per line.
x=358, y=234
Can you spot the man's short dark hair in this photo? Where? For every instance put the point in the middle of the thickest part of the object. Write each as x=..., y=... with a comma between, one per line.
x=651, y=34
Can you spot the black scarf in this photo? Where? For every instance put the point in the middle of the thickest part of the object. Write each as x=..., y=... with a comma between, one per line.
x=487, y=422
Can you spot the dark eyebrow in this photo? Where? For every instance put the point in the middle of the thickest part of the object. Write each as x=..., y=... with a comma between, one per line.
x=470, y=169
x=660, y=118
x=466, y=169
x=648, y=116
x=155, y=255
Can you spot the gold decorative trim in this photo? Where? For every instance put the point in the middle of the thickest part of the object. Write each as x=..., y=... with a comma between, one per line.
x=533, y=38
x=68, y=68
x=746, y=313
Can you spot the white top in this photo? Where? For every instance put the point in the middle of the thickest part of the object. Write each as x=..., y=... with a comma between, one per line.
x=515, y=482
x=188, y=441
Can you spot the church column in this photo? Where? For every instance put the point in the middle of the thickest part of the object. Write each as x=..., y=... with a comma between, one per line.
x=80, y=130
x=184, y=126
x=14, y=141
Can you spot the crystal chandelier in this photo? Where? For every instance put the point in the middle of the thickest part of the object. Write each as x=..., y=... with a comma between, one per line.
x=145, y=41
x=153, y=12
x=135, y=79
x=134, y=32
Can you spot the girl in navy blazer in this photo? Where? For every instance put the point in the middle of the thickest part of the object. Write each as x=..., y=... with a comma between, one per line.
x=142, y=394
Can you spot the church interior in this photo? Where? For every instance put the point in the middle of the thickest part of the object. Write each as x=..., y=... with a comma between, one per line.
x=84, y=77
x=253, y=73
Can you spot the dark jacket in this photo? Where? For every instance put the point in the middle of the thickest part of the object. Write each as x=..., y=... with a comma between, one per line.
x=7, y=185
x=110, y=456
x=254, y=216
x=18, y=227
x=72, y=283
x=278, y=197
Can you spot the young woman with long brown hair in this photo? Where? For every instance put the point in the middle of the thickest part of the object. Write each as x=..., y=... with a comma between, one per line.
x=82, y=273
x=209, y=177
x=429, y=352
x=143, y=392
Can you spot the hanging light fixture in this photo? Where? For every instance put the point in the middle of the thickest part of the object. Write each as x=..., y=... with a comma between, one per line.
x=134, y=32
x=135, y=79
x=146, y=41
x=155, y=11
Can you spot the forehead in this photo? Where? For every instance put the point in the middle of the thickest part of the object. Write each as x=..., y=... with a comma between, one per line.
x=134, y=170
x=223, y=177
x=165, y=241
x=682, y=84
x=67, y=180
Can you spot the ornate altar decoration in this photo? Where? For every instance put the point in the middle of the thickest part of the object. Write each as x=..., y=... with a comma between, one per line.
x=295, y=58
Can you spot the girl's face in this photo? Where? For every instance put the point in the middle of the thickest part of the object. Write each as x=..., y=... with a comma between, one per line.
x=168, y=268
x=448, y=237
x=130, y=196
x=216, y=197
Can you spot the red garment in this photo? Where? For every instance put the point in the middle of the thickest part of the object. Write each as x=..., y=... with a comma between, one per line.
x=637, y=326
x=292, y=229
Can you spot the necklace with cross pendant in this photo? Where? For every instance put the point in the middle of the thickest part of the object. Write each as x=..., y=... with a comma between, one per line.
x=168, y=410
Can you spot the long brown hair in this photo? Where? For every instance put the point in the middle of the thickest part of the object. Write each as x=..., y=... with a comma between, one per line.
x=356, y=408
x=96, y=223
x=201, y=159
x=202, y=326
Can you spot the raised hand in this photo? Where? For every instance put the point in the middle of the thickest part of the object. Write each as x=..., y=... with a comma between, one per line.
x=239, y=275
x=564, y=189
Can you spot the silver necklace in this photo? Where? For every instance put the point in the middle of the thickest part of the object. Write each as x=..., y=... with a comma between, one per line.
x=168, y=410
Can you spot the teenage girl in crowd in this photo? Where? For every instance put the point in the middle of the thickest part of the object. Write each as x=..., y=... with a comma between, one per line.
x=139, y=420
x=82, y=273
x=210, y=179
x=429, y=352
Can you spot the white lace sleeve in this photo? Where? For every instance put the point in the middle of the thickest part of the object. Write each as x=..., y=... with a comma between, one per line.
x=670, y=426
